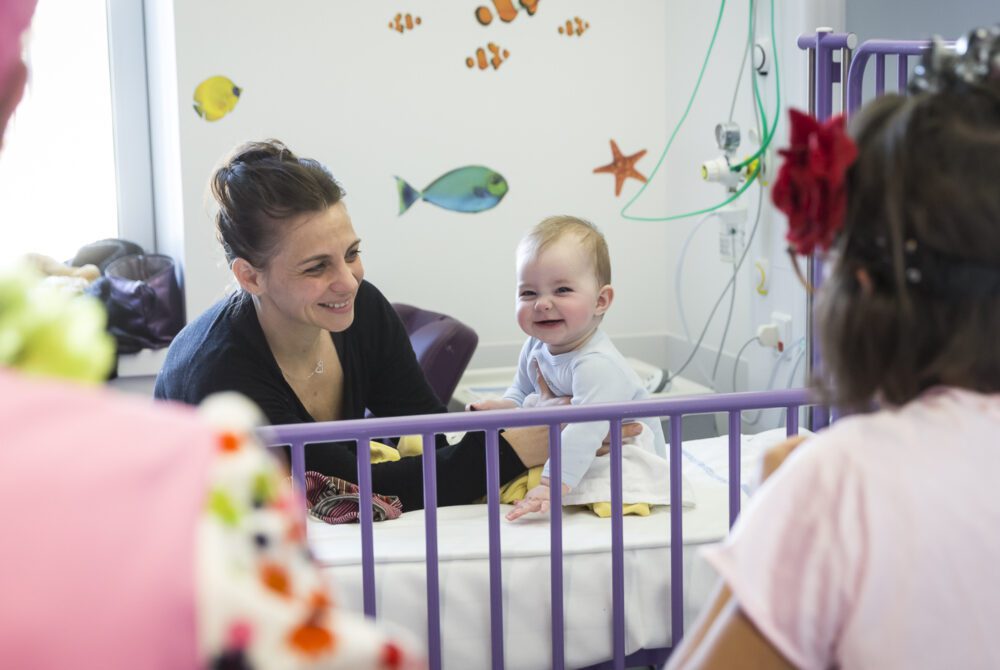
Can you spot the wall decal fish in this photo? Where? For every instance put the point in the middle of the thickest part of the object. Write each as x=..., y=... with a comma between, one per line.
x=472, y=188
x=215, y=97
x=404, y=22
x=576, y=26
x=505, y=10
x=496, y=60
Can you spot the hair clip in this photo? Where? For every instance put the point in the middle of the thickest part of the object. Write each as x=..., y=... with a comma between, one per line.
x=974, y=59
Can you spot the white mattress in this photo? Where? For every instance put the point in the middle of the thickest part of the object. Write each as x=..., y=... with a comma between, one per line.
x=464, y=570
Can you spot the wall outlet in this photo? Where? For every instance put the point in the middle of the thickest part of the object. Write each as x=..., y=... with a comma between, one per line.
x=784, y=323
x=732, y=224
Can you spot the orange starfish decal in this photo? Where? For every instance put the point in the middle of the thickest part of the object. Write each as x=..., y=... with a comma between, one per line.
x=622, y=167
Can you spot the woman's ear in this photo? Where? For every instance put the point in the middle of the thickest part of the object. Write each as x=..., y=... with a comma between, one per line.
x=249, y=278
x=604, y=299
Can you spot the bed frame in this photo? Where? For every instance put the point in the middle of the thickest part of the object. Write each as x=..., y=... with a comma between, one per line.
x=824, y=73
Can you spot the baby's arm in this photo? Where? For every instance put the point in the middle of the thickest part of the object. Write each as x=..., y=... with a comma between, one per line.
x=597, y=378
x=491, y=403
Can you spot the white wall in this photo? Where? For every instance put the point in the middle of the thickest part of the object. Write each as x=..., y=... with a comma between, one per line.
x=335, y=83
x=918, y=19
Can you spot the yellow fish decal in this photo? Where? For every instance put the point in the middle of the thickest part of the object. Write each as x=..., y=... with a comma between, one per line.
x=215, y=97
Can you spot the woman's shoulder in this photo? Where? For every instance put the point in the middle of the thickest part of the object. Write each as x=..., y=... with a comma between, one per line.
x=224, y=340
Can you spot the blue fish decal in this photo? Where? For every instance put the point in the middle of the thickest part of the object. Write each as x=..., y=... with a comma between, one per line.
x=472, y=188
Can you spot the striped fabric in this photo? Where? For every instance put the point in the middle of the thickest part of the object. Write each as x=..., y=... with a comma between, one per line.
x=335, y=500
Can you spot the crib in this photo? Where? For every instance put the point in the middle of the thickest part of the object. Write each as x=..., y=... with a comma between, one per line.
x=617, y=637
x=489, y=516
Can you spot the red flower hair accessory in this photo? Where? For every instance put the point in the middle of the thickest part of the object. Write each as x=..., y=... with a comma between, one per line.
x=810, y=185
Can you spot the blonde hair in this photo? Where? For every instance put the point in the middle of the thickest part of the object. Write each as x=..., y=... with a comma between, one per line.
x=555, y=228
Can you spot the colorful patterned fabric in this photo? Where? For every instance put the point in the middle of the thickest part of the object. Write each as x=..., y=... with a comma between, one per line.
x=335, y=500
x=261, y=601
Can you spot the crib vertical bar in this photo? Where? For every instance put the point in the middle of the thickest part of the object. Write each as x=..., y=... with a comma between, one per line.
x=367, y=525
x=824, y=74
x=431, y=543
x=879, y=74
x=493, y=509
x=676, y=535
x=792, y=420
x=735, y=421
x=902, y=73
x=617, y=548
x=299, y=465
x=555, y=545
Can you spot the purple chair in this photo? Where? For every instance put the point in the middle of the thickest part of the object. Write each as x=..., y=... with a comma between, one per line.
x=444, y=346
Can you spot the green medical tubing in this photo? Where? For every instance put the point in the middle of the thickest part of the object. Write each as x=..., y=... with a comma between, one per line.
x=677, y=128
x=764, y=144
x=777, y=102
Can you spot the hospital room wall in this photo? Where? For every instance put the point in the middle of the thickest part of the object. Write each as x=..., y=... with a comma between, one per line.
x=918, y=19
x=336, y=83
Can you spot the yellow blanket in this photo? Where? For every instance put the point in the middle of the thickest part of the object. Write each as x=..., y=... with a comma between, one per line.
x=413, y=445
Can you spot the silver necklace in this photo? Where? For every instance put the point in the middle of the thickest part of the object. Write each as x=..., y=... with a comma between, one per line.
x=318, y=370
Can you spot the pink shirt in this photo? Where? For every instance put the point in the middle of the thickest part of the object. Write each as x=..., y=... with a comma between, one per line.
x=134, y=536
x=99, y=498
x=877, y=545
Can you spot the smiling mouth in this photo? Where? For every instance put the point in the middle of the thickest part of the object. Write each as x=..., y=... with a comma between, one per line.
x=335, y=305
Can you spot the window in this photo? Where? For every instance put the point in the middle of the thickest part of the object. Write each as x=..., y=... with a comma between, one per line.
x=75, y=165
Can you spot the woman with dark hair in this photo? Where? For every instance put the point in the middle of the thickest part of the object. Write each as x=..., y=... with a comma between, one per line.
x=140, y=536
x=308, y=339
x=876, y=544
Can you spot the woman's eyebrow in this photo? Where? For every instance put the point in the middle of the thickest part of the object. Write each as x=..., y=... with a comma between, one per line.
x=314, y=259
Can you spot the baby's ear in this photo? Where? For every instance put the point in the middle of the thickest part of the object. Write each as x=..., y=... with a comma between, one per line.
x=604, y=299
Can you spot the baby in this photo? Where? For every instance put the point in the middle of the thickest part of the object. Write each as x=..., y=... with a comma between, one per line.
x=563, y=291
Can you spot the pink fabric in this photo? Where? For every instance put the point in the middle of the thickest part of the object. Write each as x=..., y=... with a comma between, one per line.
x=99, y=497
x=877, y=544
x=15, y=15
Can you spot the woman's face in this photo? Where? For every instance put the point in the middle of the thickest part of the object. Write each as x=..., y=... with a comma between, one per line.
x=313, y=278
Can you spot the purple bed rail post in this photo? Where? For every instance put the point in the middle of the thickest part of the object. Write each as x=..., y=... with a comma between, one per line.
x=493, y=509
x=298, y=450
x=431, y=544
x=823, y=74
x=676, y=535
x=792, y=420
x=735, y=477
x=617, y=548
x=367, y=525
x=555, y=546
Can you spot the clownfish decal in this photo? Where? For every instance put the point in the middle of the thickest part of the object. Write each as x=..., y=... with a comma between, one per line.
x=471, y=189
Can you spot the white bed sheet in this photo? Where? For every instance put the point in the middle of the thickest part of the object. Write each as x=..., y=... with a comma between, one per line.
x=400, y=577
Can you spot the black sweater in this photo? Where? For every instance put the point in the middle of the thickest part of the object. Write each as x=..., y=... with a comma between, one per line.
x=224, y=349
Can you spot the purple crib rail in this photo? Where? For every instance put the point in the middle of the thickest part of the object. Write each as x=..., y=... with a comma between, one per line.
x=363, y=430
x=902, y=49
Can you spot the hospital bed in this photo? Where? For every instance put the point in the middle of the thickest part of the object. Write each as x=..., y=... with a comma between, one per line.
x=571, y=590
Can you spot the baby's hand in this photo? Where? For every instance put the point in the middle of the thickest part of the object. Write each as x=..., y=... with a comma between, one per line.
x=536, y=500
x=491, y=403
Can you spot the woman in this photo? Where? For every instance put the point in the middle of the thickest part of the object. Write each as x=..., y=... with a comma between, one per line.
x=308, y=339
x=149, y=537
x=875, y=545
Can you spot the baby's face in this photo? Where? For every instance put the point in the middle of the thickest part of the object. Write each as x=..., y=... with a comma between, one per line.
x=559, y=300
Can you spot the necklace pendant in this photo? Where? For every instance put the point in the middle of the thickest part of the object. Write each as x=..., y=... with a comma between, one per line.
x=319, y=367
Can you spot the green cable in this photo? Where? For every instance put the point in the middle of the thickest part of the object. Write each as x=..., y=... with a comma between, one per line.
x=677, y=128
x=777, y=102
x=764, y=144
